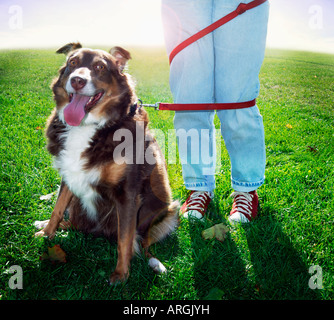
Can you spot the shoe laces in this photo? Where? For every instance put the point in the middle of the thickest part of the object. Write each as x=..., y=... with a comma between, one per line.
x=242, y=202
x=199, y=200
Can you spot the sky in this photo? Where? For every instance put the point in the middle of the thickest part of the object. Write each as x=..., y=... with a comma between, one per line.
x=293, y=24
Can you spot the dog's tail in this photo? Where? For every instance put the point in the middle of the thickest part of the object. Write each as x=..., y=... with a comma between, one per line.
x=167, y=225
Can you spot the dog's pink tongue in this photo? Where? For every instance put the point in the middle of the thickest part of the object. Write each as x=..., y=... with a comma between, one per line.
x=75, y=110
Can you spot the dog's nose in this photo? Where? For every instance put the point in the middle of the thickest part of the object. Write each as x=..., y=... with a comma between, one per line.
x=78, y=83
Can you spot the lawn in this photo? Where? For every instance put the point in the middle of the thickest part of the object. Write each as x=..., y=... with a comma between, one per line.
x=267, y=259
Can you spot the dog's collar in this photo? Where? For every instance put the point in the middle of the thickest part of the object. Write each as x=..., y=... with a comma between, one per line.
x=134, y=108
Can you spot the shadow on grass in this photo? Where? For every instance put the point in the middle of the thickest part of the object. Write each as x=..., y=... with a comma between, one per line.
x=256, y=261
x=90, y=261
x=279, y=269
x=220, y=272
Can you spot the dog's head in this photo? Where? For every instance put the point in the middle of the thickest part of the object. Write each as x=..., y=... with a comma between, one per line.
x=91, y=88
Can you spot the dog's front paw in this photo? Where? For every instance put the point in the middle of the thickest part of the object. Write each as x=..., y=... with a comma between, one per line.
x=40, y=234
x=41, y=224
x=117, y=278
x=43, y=233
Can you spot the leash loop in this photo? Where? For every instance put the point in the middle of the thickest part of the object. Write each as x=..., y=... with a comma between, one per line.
x=242, y=8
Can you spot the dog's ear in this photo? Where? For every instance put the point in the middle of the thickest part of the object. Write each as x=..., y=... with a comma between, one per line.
x=67, y=48
x=121, y=55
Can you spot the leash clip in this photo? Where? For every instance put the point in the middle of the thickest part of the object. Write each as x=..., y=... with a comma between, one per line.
x=155, y=105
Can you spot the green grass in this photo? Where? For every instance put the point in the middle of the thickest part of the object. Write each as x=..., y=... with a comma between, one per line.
x=268, y=259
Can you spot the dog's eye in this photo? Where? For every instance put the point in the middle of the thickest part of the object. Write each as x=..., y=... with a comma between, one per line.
x=99, y=67
x=73, y=63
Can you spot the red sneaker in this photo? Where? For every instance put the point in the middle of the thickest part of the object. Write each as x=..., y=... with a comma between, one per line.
x=196, y=204
x=244, y=207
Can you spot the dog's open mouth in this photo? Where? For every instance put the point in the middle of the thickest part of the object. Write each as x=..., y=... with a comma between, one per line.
x=78, y=106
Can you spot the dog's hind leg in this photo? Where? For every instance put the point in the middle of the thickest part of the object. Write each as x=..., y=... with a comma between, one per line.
x=154, y=263
x=57, y=216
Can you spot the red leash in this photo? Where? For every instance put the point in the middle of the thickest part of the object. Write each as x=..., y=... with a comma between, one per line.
x=205, y=106
x=197, y=106
x=242, y=8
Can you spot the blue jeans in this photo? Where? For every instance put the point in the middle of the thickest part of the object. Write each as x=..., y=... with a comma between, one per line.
x=222, y=67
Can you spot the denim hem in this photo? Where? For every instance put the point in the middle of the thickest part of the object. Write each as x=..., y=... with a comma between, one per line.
x=199, y=186
x=246, y=186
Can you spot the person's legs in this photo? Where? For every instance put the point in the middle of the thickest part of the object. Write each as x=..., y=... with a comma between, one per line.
x=239, y=52
x=227, y=73
x=192, y=81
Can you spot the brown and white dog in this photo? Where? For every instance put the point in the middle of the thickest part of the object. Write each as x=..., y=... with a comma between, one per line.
x=114, y=178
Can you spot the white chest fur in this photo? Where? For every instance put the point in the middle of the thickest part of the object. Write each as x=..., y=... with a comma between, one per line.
x=70, y=164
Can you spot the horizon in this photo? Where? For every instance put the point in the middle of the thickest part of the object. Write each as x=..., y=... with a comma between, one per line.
x=301, y=25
